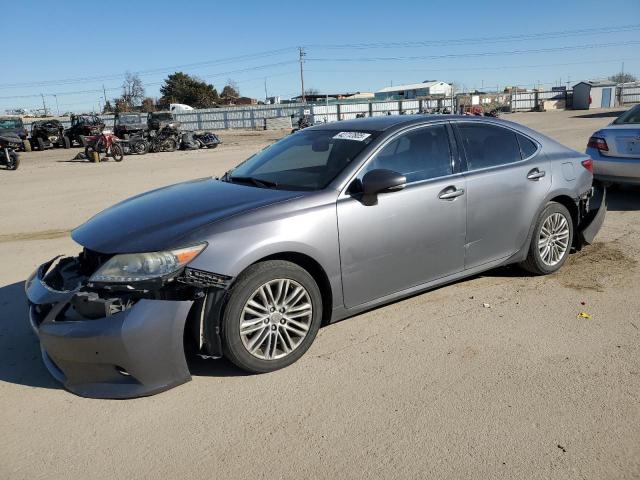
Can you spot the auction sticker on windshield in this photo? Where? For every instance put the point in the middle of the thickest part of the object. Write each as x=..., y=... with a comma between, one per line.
x=358, y=136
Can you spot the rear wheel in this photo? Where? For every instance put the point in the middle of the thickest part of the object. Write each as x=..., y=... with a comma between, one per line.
x=40, y=144
x=272, y=317
x=66, y=143
x=26, y=145
x=82, y=141
x=169, y=145
x=551, y=241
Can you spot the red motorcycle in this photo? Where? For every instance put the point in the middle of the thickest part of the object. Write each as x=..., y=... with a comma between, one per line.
x=107, y=143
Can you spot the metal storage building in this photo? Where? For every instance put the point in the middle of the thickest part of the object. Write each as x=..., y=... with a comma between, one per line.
x=414, y=90
x=594, y=94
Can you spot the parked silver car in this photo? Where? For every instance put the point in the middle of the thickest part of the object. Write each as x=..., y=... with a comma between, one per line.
x=615, y=149
x=324, y=224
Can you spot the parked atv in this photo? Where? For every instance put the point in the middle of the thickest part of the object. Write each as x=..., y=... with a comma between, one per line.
x=10, y=126
x=129, y=124
x=9, y=143
x=48, y=134
x=206, y=139
x=167, y=139
x=83, y=126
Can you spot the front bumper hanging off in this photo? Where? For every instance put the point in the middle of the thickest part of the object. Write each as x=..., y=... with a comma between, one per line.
x=133, y=350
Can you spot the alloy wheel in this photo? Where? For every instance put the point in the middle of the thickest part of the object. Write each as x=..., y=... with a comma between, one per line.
x=553, y=241
x=276, y=319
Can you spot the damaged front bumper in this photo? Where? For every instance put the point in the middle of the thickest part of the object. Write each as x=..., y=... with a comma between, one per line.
x=106, y=345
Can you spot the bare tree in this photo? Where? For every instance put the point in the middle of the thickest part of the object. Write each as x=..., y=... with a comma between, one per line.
x=132, y=90
x=623, y=78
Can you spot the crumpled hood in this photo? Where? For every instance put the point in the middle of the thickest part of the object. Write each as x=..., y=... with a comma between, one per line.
x=158, y=219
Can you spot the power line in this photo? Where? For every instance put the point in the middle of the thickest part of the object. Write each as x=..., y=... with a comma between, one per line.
x=474, y=54
x=149, y=71
x=475, y=40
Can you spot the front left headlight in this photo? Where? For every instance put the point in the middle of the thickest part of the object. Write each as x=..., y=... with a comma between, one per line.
x=138, y=267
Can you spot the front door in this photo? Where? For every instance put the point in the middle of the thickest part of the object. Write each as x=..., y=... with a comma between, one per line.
x=410, y=236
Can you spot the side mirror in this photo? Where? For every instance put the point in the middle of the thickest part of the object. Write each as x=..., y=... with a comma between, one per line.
x=380, y=181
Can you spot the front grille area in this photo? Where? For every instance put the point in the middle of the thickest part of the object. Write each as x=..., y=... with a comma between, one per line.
x=202, y=279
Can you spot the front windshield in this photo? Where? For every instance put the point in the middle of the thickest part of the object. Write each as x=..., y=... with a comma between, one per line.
x=128, y=119
x=10, y=123
x=630, y=116
x=305, y=160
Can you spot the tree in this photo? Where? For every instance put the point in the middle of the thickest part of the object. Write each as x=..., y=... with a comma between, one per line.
x=182, y=88
x=132, y=90
x=107, y=107
x=623, y=78
x=148, y=105
x=312, y=91
x=230, y=89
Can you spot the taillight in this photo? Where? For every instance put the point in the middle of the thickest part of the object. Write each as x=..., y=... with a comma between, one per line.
x=598, y=143
x=588, y=164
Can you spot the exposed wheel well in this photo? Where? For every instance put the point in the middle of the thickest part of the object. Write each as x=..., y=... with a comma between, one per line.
x=570, y=204
x=316, y=271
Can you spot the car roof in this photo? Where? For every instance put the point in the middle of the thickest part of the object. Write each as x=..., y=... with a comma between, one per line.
x=386, y=122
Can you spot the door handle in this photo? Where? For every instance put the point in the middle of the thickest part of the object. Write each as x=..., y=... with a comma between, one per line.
x=535, y=174
x=450, y=193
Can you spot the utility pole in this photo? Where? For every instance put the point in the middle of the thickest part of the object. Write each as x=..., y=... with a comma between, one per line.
x=104, y=92
x=57, y=109
x=302, y=55
x=266, y=95
x=44, y=105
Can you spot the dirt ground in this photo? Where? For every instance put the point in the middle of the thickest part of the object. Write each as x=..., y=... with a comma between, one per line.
x=435, y=386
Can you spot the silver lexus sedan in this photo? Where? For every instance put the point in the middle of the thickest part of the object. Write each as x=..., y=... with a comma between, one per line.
x=615, y=149
x=324, y=224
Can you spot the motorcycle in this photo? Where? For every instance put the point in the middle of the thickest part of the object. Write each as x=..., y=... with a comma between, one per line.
x=106, y=143
x=8, y=155
x=303, y=122
x=136, y=144
x=167, y=139
x=207, y=139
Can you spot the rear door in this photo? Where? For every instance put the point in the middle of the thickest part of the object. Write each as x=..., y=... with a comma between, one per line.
x=507, y=179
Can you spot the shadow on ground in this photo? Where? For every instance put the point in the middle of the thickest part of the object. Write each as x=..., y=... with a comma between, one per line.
x=623, y=198
x=611, y=114
x=20, y=360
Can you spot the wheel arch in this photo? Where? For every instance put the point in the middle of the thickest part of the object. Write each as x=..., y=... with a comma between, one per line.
x=315, y=269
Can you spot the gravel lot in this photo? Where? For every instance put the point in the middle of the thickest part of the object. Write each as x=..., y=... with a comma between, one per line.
x=435, y=386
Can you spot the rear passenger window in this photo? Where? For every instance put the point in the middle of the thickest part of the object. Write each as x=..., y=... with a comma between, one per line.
x=527, y=147
x=488, y=145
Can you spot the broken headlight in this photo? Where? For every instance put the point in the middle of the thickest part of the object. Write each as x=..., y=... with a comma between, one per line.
x=138, y=267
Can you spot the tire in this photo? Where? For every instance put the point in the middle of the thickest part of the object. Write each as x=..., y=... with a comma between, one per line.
x=66, y=143
x=14, y=161
x=236, y=346
x=26, y=145
x=556, y=219
x=82, y=141
x=40, y=144
x=140, y=147
x=117, y=153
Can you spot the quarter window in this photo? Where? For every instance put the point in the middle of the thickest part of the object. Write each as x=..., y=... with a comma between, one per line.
x=488, y=145
x=418, y=155
x=527, y=147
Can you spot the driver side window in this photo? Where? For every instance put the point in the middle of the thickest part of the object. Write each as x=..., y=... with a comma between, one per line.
x=420, y=154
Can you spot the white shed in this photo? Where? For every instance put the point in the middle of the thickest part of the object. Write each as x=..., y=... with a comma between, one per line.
x=594, y=94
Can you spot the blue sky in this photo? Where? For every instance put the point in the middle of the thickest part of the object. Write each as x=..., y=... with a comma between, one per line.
x=71, y=48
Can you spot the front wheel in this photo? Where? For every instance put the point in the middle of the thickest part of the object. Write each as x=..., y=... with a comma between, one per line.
x=551, y=241
x=169, y=145
x=13, y=162
x=117, y=152
x=272, y=317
